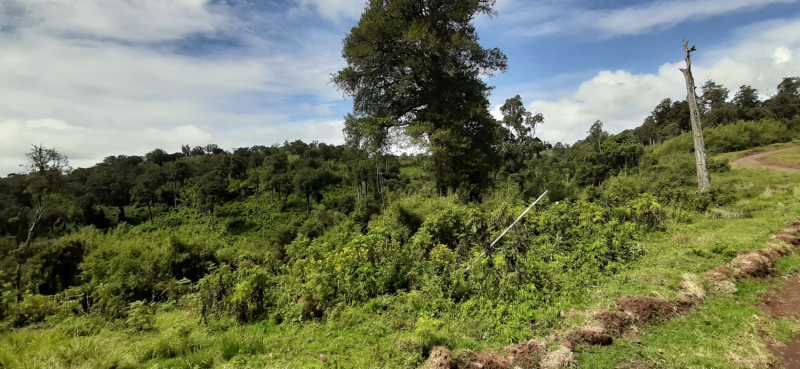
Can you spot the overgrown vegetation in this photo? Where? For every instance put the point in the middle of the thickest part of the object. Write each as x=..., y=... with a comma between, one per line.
x=350, y=256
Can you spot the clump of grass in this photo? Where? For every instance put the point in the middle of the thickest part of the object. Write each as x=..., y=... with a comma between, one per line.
x=722, y=213
x=682, y=239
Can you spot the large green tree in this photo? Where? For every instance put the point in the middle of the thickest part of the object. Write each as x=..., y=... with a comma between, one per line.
x=523, y=122
x=715, y=108
x=112, y=180
x=786, y=103
x=519, y=143
x=212, y=189
x=415, y=66
x=147, y=185
x=748, y=104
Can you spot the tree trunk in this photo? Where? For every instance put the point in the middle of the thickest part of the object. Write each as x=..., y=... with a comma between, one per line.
x=121, y=218
x=18, y=282
x=39, y=211
x=150, y=213
x=703, y=181
x=174, y=193
x=379, y=182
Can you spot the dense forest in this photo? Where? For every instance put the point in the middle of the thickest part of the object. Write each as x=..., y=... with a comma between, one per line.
x=301, y=232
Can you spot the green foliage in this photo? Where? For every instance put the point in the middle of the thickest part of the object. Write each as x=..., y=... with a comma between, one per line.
x=728, y=138
x=141, y=316
x=719, y=165
x=395, y=84
x=428, y=330
x=417, y=294
x=368, y=246
x=32, y=309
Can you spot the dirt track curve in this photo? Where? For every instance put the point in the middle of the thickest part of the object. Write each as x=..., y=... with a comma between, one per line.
x=753, y=161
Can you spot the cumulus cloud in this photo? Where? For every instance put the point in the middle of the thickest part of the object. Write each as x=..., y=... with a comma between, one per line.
x=543, y=17
x=622, y=100
x=782, y=55
x=100, y=77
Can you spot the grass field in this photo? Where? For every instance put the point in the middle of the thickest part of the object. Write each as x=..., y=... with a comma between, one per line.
x=723, y=332
x=789, y=158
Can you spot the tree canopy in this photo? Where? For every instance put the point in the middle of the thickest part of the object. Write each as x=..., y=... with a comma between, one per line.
x=417, y=65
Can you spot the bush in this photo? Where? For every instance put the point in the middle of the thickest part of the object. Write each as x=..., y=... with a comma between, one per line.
x=32, y=309
x=428, y=330
x=714, y=197
x=719, y=165
x=141, y=316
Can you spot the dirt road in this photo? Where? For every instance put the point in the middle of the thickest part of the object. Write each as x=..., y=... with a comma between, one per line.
x=753, y=161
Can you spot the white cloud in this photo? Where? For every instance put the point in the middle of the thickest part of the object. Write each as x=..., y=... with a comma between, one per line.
x=104, y=141
x=622, y=100
x=543, y=17
x=782, y=55
x=306, y=130
x=336, y=10
x=107, y=87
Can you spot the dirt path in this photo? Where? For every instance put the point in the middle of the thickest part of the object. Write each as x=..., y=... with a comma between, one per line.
x=753, y=161
x=785, y=304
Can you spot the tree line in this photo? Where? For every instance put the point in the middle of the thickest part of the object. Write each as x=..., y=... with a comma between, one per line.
x=671, y=118
x=49, y=198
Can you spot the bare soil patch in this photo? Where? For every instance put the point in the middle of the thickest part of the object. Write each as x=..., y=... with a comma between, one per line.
x=785, y=304
x=643, y=308
x=614, y=323
x=789, y=354
x=590, y=336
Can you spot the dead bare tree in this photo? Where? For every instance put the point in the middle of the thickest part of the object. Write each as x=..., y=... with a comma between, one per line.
x=44, y=167
x=379, y=182
x=703, y=181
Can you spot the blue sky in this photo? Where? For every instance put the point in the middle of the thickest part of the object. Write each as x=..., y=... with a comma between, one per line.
x=104, y=77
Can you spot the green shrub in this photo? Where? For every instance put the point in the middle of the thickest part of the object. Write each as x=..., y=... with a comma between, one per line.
x=32, y=309
x=723, y=249
x=141, y=316
x=719, y=165
x=428, y=331
x=714, y=197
